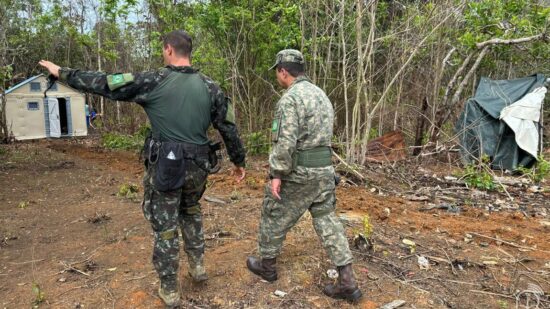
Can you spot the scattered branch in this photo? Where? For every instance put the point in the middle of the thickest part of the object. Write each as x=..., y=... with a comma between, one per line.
x=510, y=41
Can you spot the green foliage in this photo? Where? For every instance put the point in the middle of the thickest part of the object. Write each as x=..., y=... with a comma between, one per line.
x=143, y=131
x=367, y=227
x=251, y=183
x=503, y=19
x=235, y=42
x=258, y=143
x=39, y=295
x=502, y=304
x=476, y=175
x=121, y=141
x=5, y=74
x=537, y=173
x=128, y=191
x=373, y=133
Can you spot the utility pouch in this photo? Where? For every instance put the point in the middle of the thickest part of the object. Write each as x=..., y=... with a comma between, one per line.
x=213, y=157
x=146, y=150
x=170, y=170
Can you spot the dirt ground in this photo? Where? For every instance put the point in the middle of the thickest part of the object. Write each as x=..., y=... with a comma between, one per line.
x=67, y=240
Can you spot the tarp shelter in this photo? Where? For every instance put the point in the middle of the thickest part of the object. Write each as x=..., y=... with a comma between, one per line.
x=502, y=121
x=30, y=116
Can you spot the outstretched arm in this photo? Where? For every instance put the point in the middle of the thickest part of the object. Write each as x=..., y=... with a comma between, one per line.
x=124, y=87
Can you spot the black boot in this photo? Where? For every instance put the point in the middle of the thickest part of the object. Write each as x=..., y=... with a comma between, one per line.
x=345, y=288
x=264, y=268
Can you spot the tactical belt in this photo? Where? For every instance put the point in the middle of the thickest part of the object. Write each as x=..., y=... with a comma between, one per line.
x=189, y=148
x=315, y=157
x=195, y=149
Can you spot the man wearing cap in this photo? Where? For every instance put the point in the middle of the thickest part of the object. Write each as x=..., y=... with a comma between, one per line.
x=302, y=177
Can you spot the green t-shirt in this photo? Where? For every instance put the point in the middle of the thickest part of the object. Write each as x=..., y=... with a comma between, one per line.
x=179, y=108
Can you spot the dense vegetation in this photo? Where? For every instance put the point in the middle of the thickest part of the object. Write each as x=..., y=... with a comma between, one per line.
x=386, y=65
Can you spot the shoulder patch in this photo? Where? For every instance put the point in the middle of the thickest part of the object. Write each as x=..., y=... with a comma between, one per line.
x=230, y=115
x=115, y=81
x=276, y=128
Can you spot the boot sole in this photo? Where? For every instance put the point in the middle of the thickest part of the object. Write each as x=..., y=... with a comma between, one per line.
x=353, y=297
x=198, y=279
x=266, y=278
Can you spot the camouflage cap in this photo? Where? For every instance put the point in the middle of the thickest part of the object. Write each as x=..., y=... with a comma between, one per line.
x=288, y=55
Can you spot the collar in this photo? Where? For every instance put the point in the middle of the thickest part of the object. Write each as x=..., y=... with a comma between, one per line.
x=299, y=79
x=182, y=69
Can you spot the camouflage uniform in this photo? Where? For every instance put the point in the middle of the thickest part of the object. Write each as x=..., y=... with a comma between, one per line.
x=303, y=121
x=166, y=210
x=180, y=103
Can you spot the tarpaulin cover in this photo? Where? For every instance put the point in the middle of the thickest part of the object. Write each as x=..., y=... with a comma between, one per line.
x=481, y=131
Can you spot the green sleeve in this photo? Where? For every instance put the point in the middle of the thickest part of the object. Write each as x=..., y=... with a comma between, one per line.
x=285, y=136
x=120, y=86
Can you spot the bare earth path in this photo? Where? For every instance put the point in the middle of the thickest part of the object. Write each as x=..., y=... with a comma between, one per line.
x=68, y=241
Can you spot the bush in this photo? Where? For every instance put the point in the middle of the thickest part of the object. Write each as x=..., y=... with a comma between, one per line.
x=537, y=173
x=258, y=143
x=126, y=142
x=129, y=191
x=476, y=175
x=120, y=141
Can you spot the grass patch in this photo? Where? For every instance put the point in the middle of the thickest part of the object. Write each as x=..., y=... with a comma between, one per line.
x=129, y=191
x=124, y=141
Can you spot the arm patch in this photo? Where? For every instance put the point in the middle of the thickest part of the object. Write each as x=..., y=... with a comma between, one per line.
x=115, y=81
x=276, y=128
x=230, y=115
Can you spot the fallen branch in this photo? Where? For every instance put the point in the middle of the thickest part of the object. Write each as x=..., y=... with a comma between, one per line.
x=26, y=262
x=71, y=289
x=509, y=243
x=355, y=172
x=491, y=293
x=214, y=200
x=136, y=278
x=456, y=281
x=72, y=268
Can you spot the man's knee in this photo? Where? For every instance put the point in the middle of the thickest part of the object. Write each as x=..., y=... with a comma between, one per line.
x=317, y=213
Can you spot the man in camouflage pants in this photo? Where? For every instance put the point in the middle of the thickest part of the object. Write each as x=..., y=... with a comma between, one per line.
x=302, y=177
x=181, y=104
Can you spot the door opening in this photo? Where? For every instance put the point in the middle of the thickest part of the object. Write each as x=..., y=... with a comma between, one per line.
x=63, y=119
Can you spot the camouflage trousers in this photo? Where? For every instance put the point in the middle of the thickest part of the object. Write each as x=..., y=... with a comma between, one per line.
x=279, y=216
x=166, y=211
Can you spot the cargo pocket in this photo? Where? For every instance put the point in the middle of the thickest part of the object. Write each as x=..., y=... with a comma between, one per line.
x=271, y=207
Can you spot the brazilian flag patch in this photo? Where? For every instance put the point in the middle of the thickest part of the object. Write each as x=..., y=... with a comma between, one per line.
x=276, y=129
x=275, y=125
x=116, y=81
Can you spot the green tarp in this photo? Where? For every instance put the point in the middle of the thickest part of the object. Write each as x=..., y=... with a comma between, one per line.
x=481, y=131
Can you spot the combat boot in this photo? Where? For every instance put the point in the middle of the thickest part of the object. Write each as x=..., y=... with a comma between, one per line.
x=345, y=288
x=168, y=291
x=264, y=268
x=197, y=270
